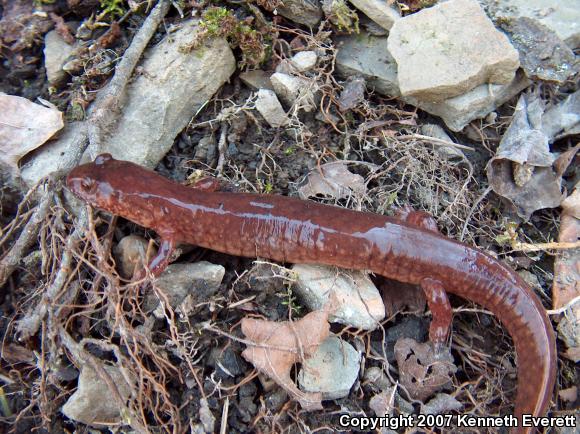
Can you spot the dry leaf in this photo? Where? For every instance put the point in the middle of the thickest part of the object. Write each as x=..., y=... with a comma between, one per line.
x=282, y=344
x=422, y=371
x=24, y=126
x=333, y=180
x=567, y=265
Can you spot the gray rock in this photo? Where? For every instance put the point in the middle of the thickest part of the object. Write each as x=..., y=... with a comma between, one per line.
x=379, y=11
x=257, y=79
x=442, y=403
x=92, y=403
x=562, y=16
x=354, y=299
x=543, y=55
x=199, y=281
x=368, y=55
x=56, y=51
x=458, y=111
x=377, y=377
x=307, y=12
x=562, y=119
x=449, y=49
x=332, y=370
x=49, y=158
x=304, y=61
x=130, y=254
x=270, y=108
x=162, y=100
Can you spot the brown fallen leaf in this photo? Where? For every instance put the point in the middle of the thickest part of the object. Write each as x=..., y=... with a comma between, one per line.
x=279, y=345
x=567, y=265
x=332, y=180
x=24, y=126
x=422, y=371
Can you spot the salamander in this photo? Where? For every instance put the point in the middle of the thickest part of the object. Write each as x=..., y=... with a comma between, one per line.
x=285, y=229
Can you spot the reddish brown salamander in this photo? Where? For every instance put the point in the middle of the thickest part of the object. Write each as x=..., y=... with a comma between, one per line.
x=296, y=231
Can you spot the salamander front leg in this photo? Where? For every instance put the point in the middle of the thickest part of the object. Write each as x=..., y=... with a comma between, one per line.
x=440, y=309
x=160, y=261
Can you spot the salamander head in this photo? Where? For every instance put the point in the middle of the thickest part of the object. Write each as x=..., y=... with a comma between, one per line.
x=115, y=186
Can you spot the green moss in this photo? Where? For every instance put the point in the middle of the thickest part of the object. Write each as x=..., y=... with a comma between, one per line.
x=343, y=17
x=115, y=8
x=221, y=22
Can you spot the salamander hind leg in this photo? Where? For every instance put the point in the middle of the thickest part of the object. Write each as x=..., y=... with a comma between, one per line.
x=440, y=309
x=419, y=219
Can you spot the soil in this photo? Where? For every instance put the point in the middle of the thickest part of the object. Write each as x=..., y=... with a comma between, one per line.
x=38, y=375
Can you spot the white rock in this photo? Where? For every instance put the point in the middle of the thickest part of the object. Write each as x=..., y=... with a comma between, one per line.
x=92, y=402
x=131, y=254
x=332, y=369
x=449, y=49
x=379, y=11
x=354, y=299
x=257, y=79
x=270, y=108
x=56, y=51
x=369, y=57
x=304, y=60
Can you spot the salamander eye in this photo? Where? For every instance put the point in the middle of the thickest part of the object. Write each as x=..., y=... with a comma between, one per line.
x=88, y=185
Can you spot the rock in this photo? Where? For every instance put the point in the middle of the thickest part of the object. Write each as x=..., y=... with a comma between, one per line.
x=355, y=299
x=257, y=79
x=294, y=91
x=379, y=11
x=92, y=402
x=458, y=111
x=162, y=100
x=448, y=153
x=368, y=55
x=270, y=108
x=198, y=281
x=543, y=55
x=130, y=254
x=56, y=51
x=449, y=49
x=562, y=119
x=442, y=403
x=307, y=12
x=49, y=157
x=206, y=149
x=562, y=16
x=304, y=61
x=377, y=377
x=332, y=369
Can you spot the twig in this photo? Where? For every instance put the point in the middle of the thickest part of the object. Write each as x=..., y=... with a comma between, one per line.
x=26, y=239
x=565, y=307
x=222, y=148
x=108, y=101
x=471, y=210
x=434, y=141
x=518, y=246
x=29, y=324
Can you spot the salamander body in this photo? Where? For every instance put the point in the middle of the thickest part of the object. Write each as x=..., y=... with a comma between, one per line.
x=297, y=231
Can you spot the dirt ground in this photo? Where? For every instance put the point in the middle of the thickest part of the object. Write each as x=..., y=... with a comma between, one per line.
x=190, y=365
